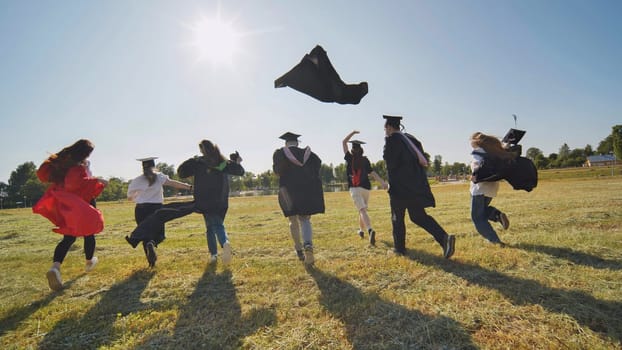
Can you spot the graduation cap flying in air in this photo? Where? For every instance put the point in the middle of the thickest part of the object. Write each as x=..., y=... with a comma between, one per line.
x=316, y=77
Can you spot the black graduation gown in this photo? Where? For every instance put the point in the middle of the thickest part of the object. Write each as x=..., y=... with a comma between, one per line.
x=300, y=188
x=408, y=180
x=316, y=77
x=211, y=186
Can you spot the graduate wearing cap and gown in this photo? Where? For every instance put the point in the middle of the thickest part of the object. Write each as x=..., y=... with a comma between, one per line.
x=409, y=189
x=358, y=170
x=147, y=192
x=300, y=191
x=211, y=198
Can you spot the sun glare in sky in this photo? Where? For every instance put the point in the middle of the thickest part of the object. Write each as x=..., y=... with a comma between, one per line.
x=215, y=40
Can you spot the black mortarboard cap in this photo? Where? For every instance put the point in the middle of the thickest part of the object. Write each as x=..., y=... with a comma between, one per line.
x=289, y=136
x=393, y=120
x=316, y=77
x=513, y=136
x=356, y=143
x=148, y=162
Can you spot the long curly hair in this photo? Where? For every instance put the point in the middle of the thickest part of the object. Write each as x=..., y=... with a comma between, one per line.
x=491, y=145
x=211, y=153
x=68, y=157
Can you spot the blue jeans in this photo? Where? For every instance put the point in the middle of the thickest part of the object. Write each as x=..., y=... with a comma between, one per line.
x=215, y=228
x=481, y=213
x=301, y=231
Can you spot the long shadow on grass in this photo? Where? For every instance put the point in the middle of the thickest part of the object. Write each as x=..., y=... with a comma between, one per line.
x=95, y=328
x=14, y=317
x=573, y=256
x=374, y=323
x=598, y=315
x=212, y=318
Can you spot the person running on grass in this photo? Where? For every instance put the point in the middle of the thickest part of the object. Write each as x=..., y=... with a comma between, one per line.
x=483, y=192
x=358, y=170
x=300, y=191
x=409, y=188
x=67, y=204
x=147, y=191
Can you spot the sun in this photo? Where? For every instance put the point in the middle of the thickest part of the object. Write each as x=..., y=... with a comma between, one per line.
x=215, y=40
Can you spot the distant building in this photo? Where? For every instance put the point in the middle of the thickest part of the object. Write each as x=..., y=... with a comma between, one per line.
x=600, y=160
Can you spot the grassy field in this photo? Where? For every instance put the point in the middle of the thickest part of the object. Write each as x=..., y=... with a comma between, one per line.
x=557, y=285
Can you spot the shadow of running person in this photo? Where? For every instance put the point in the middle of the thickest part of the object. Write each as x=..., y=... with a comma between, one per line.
x=95, y=328
x=212, y=318
x=17, y=315
x=374, y=323
x=598, y=315
x=573, y=256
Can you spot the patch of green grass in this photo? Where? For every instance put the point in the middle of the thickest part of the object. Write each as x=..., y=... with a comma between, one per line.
x=558, y=284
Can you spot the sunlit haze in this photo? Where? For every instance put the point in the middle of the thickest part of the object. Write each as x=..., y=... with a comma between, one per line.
x=153, y=78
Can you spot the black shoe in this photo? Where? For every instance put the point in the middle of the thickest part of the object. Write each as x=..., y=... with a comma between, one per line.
x=361, y=234
x=151, y=253
x=505, y=222
x=398, y=252
x=301, y=255
x=450, y=244
x=372, y=237
x=132, y=241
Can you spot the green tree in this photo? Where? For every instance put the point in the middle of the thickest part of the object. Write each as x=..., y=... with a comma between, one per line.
x=564, y=151
x=33, y=190
x=248, y=181
x=115, y=190
x=19, y=177
x=541, y=162
x=533, y=153
x=341, y=174
x=588, y=150
x=380, y=167
x=438, y=164
x=616, y=138
x=326, y=174
x=605, y=146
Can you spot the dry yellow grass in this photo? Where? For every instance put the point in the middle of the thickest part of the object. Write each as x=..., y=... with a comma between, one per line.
x=557, y=285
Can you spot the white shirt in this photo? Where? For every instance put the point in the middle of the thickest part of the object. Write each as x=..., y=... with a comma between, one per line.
x=140, y=192
x=488, y=189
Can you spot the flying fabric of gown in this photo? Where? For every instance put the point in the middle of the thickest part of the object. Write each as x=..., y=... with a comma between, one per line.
x=316, y=77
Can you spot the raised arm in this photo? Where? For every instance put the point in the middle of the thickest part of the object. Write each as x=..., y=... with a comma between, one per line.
x=344, y=143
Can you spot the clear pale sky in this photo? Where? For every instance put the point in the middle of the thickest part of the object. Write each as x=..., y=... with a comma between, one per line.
x=129, y=76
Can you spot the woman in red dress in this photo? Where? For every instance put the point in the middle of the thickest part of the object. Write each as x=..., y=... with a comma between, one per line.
x=66, y=203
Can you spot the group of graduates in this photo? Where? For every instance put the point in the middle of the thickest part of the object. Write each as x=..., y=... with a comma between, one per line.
x=69, y=202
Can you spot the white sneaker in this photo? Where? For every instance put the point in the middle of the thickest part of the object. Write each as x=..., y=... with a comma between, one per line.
x=226, y=253
x=213, y=259
x=309, y=258
x=90, y=264
x=54, y=280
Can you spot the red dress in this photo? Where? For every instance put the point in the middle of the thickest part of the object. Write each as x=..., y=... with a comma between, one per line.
x=67, y=205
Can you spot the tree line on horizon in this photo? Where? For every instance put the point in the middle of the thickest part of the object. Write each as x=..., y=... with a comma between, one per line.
x=24, y=188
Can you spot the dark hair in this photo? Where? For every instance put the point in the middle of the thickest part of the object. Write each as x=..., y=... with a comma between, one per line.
x=357, y=158
x=150, y=175
x=211, y=152
x=69, y=157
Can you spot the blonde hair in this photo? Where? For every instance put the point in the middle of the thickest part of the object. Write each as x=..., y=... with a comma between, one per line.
x=491, y=145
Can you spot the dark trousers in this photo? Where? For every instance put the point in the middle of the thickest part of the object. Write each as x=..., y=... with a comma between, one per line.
x=142, y=211
x=418, y=216
x=149, y=228
x=63, y=247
